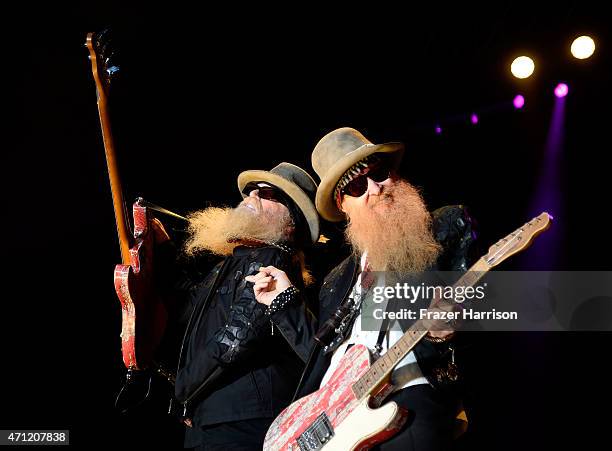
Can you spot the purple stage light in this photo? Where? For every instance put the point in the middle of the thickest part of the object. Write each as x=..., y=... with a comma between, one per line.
x=474, y=118
x=519, y=101
x=561, y=90
x=438, y=129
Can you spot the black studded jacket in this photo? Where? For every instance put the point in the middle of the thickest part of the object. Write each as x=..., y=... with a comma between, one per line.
x=236, y=362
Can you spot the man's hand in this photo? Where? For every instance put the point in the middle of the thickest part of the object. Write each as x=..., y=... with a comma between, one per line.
x=268, y=283
x=440, y=329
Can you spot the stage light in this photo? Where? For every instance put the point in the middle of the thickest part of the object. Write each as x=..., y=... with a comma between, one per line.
x=582, y=47
x=519, y=101
x=561, y=90
x=438, y=129
x=522, y=67
x=474, y=118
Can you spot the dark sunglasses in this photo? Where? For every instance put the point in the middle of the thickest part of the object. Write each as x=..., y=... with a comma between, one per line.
x=266, y=192
x=359, y=185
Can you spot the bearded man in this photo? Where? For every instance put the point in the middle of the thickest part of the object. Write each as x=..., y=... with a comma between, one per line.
x=240, y=361
x=389, y=229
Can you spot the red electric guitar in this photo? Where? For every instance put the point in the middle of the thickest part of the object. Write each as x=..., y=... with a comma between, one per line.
x=344, y=414
x=143, y=312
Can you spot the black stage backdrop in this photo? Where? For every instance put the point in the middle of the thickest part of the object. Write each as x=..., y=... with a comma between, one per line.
x=205, y=94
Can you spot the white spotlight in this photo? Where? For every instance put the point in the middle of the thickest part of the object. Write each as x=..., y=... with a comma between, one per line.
x=522, y=67
x=583, y=47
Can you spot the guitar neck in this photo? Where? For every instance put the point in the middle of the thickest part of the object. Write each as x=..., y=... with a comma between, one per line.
x=382, y=368
x=102, y=81
x=119, y=205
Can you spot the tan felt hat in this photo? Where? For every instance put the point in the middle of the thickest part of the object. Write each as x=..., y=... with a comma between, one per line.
x=335, y=154
x=296, y=183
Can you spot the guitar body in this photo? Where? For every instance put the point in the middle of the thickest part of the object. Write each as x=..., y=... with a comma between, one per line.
x=355, y=424
x=144, y=315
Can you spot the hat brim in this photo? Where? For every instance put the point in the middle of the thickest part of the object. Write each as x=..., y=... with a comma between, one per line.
x=296, y=194
x=325, y=202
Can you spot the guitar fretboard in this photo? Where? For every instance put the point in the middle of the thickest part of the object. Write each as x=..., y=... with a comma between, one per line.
x=380, y=369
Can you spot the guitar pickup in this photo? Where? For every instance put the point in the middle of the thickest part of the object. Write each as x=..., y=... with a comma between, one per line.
x=317, y=434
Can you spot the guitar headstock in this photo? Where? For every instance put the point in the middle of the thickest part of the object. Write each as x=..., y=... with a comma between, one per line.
x=517, y=240
x=104, y=60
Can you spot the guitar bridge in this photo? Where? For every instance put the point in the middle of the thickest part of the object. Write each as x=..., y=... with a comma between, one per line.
x=317, y=434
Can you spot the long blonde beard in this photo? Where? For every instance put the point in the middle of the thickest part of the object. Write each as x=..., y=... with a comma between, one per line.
x=395, y=230
x=220, y=230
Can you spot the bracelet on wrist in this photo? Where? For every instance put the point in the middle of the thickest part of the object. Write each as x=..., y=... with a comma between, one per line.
x=282, y=299
x=438, y=339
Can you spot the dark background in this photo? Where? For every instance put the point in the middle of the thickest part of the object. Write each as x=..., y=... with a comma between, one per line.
x=204, y=94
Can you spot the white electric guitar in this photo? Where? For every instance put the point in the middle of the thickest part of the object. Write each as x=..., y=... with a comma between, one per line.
x=344, y=414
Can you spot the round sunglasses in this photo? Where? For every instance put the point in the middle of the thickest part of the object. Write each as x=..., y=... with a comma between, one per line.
x=359, y=185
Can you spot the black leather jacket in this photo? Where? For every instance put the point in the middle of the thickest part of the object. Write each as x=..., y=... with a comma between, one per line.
x=453, y=229
x=237, y=363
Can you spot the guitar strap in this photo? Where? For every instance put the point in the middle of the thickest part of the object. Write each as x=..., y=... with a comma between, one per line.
x=384, y=328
